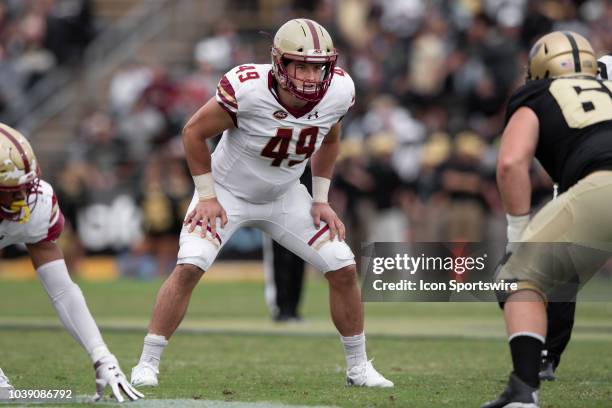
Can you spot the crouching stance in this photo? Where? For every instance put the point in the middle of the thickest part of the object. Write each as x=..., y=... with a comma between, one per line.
x=29, y=214
x=562, y=116
x=274, y=117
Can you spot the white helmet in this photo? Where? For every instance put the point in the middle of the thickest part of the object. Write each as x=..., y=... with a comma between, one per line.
x=307, y=41
x=19, y=171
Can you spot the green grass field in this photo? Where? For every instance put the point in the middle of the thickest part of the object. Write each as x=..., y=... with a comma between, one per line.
x=438, y=355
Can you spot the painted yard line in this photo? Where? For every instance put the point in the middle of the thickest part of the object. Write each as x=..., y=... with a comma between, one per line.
x=597, y=329
x=181, y=403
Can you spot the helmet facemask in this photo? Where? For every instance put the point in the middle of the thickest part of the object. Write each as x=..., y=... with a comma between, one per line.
x=20, y=210
x=19, y=172
x=311, y=91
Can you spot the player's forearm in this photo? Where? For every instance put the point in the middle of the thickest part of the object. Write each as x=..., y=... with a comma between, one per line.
x=323, y=161
x=515, y=188
x=199, y=162
x=322, y=166
x=197, y=152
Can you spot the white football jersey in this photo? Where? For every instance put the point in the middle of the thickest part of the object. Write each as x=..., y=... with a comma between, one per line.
x=267, y=151
x=46, y=221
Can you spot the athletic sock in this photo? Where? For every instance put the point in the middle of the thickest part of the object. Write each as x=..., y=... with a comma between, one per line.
x=152, y=349
x=354, y=350
x=526, y=350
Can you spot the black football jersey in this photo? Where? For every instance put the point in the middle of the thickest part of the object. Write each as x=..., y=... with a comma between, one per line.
x=575, y=115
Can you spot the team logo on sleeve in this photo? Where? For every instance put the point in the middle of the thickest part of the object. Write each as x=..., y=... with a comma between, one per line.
x=280, y=114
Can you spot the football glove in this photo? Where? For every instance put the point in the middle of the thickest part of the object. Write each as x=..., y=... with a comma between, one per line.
x=108, y=373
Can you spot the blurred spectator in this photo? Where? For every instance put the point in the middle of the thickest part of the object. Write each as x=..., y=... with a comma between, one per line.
x=35, y=38
x=463, y=180
x=401, y=17
x=70, y=28
x=425, y=212
x=389, y=223
x=350, y=186
x=107, y=217
x=33, y=60
x=166, y=194
x=216, y=51
x=127, y=86
x=140, y=129
x=386, y=115
x=427, y=69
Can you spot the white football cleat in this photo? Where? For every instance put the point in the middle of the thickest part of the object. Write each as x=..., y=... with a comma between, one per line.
x=144, y=375
x=365, y=375
x=4, y=381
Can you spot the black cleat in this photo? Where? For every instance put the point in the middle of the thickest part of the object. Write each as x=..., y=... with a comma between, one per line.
x=516, y=395
x=547, y=367
x=547, y=371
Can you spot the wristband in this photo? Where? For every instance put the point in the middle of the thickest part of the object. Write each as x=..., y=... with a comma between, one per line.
x=516, y=226
x=205, y=186
x=320, y=189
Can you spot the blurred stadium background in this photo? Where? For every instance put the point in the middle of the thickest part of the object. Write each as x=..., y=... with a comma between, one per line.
x=103, y=87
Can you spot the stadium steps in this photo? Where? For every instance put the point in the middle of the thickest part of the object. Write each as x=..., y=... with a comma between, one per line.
x=109, y=11
x=184, y=23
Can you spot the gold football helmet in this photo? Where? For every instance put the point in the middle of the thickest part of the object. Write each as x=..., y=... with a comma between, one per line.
x=561, y=53
x=19, y=171
x=307, y=41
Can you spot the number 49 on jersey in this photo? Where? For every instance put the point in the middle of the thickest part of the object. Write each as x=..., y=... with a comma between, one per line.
x=277, y=148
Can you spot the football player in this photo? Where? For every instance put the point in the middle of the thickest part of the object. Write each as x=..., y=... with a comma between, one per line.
x=563, y=117
x=274, y=118
x=561, y=314
x=29, y=214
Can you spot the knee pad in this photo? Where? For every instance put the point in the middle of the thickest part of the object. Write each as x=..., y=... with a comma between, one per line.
x=200, y=253
x=336, y=254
